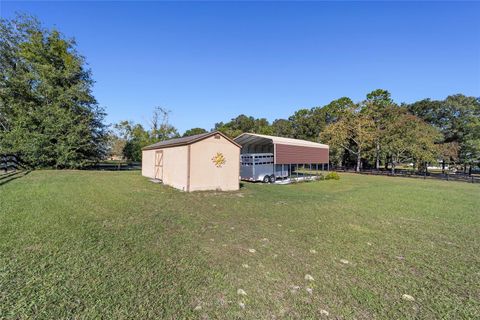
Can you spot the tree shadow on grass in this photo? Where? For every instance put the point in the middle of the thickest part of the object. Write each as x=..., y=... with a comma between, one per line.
x=6, y=178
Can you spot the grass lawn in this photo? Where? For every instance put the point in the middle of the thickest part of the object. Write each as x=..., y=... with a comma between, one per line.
x=89, y=245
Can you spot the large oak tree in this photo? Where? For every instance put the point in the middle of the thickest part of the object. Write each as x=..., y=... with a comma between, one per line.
x=353, y=132
x=458, y=119
x=48, y=115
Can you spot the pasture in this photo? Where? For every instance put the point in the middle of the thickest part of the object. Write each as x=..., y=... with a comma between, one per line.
x=83, y=244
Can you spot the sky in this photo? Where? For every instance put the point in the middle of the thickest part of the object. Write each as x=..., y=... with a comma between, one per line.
x=208, y=62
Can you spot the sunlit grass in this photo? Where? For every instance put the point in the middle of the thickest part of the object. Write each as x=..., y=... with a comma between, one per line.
x=114, y=245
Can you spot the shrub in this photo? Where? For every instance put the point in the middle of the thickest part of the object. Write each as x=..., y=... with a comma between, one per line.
x=332, y=176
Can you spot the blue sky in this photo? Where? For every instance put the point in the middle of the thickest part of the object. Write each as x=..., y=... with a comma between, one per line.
x=208, y=62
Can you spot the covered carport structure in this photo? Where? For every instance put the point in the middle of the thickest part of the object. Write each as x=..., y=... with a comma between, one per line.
x=290, y=155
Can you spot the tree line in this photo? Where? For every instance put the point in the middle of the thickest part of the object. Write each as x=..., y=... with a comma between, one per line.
x=373, y=133
x=378, y=132
x=50, y=118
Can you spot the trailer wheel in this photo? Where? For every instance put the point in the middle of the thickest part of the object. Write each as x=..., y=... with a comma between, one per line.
x=266, y=179
x=272, y=178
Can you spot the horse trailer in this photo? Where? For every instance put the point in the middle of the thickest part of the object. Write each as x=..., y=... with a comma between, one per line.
x=260, y=167
x=266, y=158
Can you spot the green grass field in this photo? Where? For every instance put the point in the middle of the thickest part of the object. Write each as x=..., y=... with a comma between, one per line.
x=89, y=245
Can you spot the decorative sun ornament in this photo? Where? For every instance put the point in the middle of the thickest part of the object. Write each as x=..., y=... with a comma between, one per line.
x=219, y=160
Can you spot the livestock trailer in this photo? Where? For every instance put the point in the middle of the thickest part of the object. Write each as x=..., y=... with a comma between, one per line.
x=260, y=167
x=266, y=158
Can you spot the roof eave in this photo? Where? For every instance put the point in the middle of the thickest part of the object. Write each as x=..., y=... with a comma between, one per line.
x=180, y=144
x=300, y=143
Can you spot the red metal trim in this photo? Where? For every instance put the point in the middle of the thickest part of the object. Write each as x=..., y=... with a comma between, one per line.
x=189, y=156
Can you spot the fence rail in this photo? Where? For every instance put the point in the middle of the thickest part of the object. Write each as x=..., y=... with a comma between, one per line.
x=458, y=176
x=114, y=166
x=9, y=163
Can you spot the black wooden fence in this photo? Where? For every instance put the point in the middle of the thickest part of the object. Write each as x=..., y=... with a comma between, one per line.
x=448, y=176
x=114, y=166
x=9, y=163
x=11, y=168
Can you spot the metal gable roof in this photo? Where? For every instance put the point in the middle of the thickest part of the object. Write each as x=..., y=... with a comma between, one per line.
x=246, y=138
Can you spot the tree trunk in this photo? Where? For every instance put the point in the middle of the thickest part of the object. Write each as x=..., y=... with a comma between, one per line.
x=377, y=155
x=359, y=160
x=443, y=166
x=393, y=166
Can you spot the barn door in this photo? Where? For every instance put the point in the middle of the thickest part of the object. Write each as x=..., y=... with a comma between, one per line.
x=159, y=164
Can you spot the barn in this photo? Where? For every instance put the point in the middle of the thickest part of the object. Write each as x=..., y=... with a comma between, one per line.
x=208, y=161
x=288, y=157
